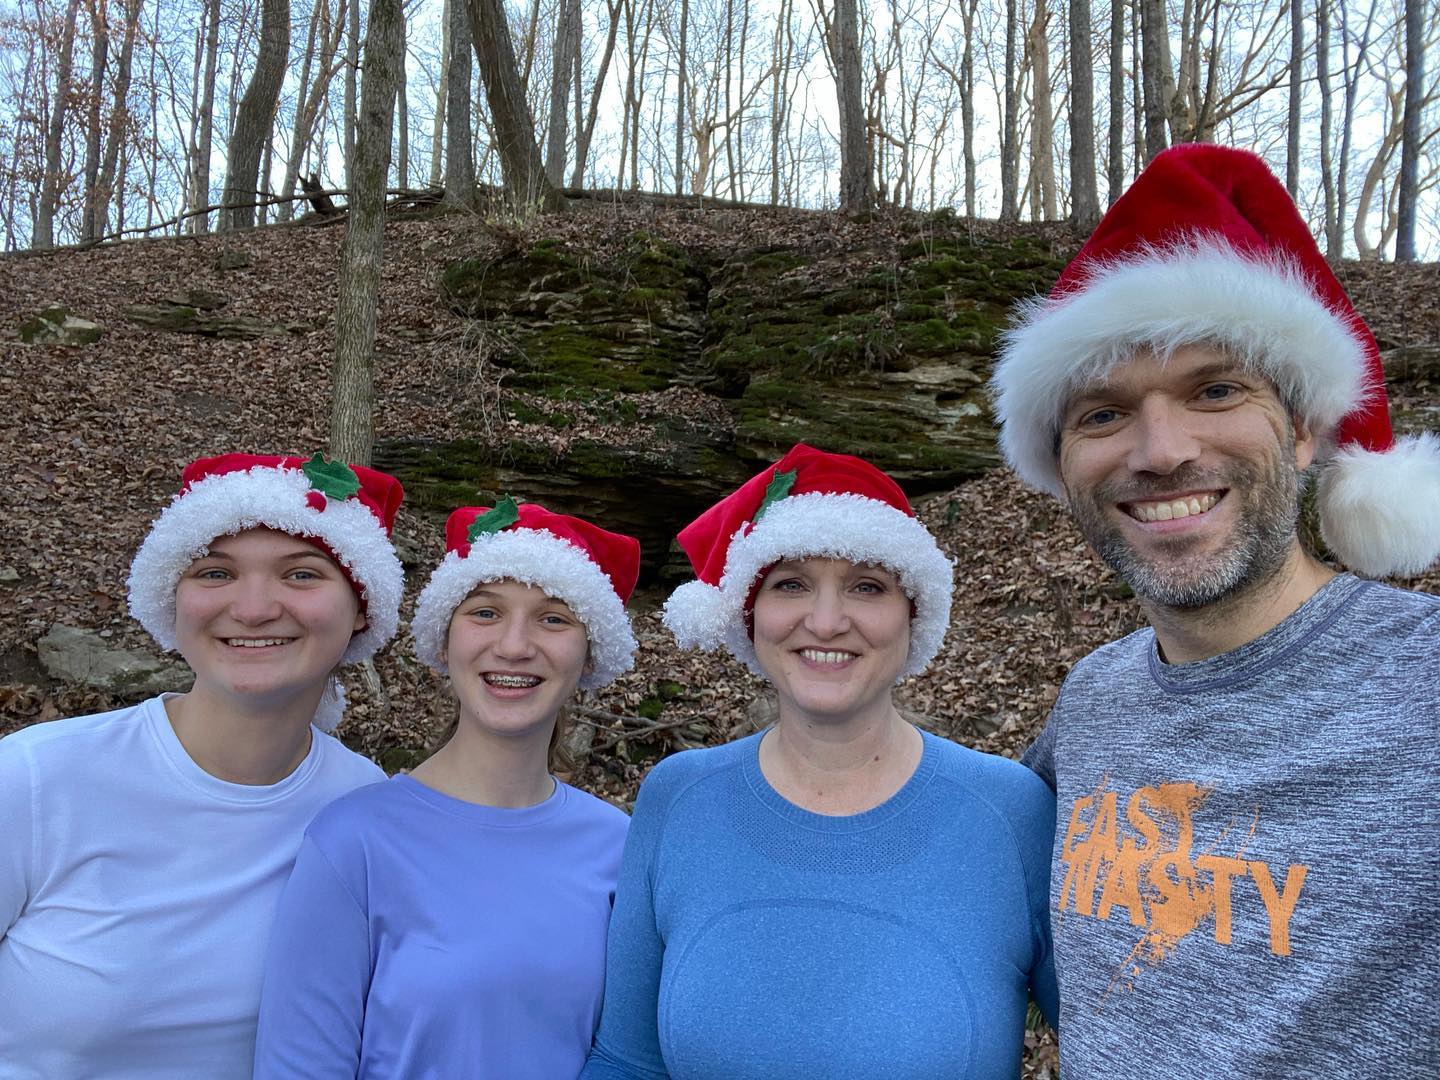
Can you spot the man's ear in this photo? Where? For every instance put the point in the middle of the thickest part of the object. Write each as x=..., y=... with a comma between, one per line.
x=1305, y=442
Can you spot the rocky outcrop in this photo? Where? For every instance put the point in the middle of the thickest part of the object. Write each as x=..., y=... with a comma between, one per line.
x=880, y=350
x=73, y=655
x=54, y=325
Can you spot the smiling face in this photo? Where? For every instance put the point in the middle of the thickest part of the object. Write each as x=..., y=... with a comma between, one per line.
x=515, y=657
x=264, y=616
x=831, y=636
x=1184, y=476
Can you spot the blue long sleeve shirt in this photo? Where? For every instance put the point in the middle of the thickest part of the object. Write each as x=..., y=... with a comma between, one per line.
x=423, y=936
x=754, y=939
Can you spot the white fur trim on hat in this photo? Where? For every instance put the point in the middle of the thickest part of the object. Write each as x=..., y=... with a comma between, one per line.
x=1380, y=513
x=552, y=564
x=816, y=525
x=1262, y=310
x=264, y=496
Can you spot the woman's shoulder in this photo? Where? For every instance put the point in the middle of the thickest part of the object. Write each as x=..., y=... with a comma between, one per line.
x=75, y=738
x=678, y=771
x=1008, y=786
x=357, y=812
x=592, y=808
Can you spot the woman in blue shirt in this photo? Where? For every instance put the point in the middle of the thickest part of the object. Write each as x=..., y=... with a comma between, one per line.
x=452, y=922
x=842, y=894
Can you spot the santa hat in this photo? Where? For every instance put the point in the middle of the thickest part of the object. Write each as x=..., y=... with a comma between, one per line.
x=1207, y=247
x=347, y=511
x=567, y=558
x=809, y=504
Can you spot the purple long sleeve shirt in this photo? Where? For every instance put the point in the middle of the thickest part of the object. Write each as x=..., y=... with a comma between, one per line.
x=420, y=935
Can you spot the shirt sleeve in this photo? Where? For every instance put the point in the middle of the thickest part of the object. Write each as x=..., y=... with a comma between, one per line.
x=628, y=1042
x=317, y=976
x=1039, y=758
x=17, y=849
x=1035, y=833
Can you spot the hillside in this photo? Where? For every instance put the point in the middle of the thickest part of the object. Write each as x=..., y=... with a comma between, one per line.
x=774, y=326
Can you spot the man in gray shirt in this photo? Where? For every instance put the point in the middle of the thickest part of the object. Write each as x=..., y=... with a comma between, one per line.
x=1247, y=864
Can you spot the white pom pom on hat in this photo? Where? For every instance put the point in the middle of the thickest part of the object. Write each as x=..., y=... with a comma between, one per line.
x=1207, y=247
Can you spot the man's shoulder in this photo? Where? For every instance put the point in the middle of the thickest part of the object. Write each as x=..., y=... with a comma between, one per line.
x=1129, y=652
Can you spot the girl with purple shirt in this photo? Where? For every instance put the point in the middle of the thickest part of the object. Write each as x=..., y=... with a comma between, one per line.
x=452, y=922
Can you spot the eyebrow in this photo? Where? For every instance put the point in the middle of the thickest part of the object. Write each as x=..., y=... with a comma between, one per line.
x=306, y=553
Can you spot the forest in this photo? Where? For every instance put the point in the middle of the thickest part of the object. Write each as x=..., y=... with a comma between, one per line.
x=127, y=118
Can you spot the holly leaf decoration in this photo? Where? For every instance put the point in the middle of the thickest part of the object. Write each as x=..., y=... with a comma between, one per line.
x=505, y=514
x=779, y=488
x=333, y=479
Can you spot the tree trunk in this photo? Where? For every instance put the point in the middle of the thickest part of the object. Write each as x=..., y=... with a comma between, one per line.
x=402, y=118
x=1410, y=139
x=352, y=414
x=562, y=68
x=1292, y=116
x=200, y=160
x=1334, y=240
x=526, y=184
x=43, y=235
x=856, y=191
x=682, y=91
x=967, y=105
x=1115, y=166
x=1010, y=138
x=1084, y=198
x=1154, y=68
x=584, y=134
x=352, y=78
x=99, y=54
x=255, y=116
x=115, y=134
x=460, y=144
x=1042, y=135
x=442, y=92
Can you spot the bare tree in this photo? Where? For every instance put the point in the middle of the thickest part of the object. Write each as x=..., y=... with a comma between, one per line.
x=99, y=55
x=352, y=412
x=1115, y=166
x=200, y=151
x=1334, y=248
x=1084, y=199
x=563, y=59
x=352, y=77
x=254, y=117
x=857, y=192
x=525, y=181
x=115, y=130
x=43, y=235
x=586, y=132
x=681, y=93
x=1155, y=74
x=1410, y=139
x=460, y=142
x=1010, y=139
x=1292, y=115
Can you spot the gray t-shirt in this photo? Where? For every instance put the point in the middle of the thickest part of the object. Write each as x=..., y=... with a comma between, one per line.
x=1247, y=849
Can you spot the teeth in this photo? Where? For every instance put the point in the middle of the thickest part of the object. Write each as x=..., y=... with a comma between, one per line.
x=512, y=681
x=255, y=643
x=1169, y=511
x=820, y=656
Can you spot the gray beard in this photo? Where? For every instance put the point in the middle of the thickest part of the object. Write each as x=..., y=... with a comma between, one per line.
x=1259, y=544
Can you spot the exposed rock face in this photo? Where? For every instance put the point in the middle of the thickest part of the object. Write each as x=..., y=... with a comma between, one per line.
x=82, y=656
x=196, y=317
x=881, y=351
x=56, y=326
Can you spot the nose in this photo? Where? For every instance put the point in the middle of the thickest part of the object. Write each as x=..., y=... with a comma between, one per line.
x=516, y=642
x=1162, y=439
x=827, y=616
x=255, y=600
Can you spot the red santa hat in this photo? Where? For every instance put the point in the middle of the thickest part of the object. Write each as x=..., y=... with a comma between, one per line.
x=1207, y=247
x=347, y=511
x=567, y=558
x=808, y=504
